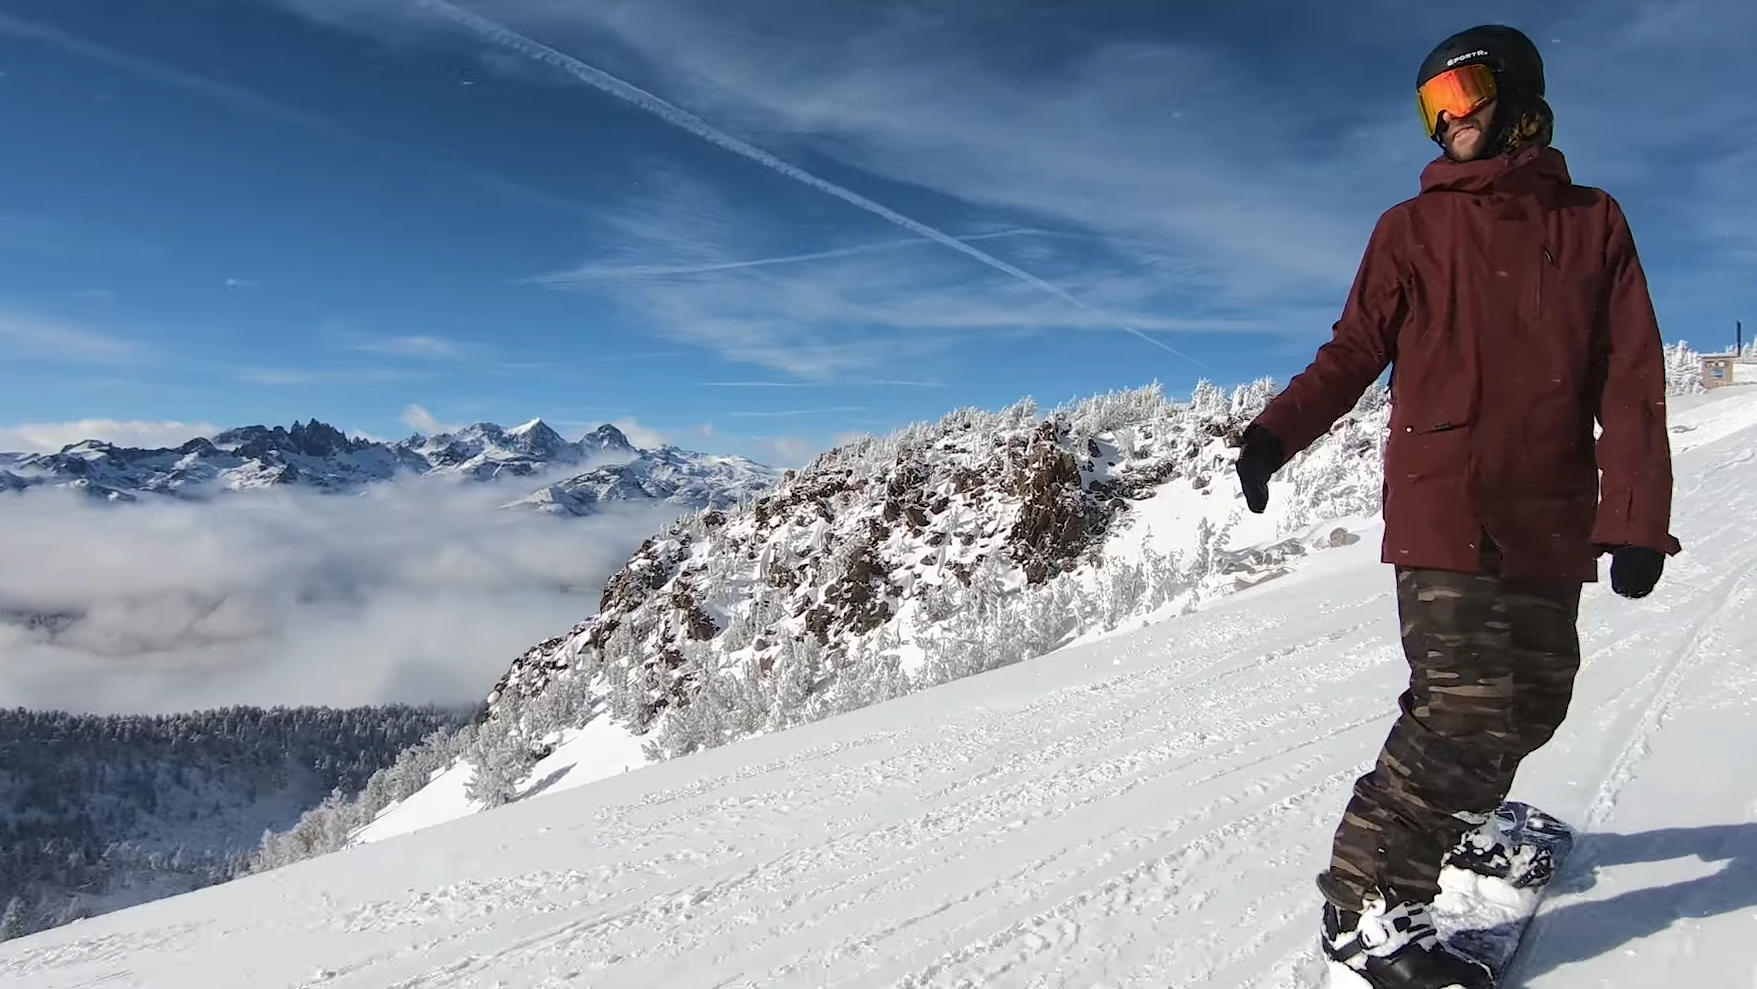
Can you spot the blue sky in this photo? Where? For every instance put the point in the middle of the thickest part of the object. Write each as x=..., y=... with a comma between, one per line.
x=376, y=212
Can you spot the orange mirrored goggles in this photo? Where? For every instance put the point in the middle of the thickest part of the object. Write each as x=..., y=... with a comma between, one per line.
x=1459, y=92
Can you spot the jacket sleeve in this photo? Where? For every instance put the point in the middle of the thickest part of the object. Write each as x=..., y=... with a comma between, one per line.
x=1363, y=343
x=1634, y=452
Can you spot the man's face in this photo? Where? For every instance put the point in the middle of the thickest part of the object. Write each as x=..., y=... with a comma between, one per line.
x=1466, y=138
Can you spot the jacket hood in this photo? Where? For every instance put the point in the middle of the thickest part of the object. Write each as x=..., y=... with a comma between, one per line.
x=1530, y=170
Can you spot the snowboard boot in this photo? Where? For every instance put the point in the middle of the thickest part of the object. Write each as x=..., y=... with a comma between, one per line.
x=1498, y=850
x=1397, y=947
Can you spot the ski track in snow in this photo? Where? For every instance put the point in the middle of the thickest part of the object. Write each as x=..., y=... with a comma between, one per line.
x=1145, y=811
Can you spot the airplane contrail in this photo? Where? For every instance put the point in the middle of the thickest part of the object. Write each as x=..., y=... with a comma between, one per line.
x=593, y=272
x=678, y=117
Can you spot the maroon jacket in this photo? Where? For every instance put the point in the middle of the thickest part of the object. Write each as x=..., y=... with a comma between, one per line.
x=1514, y=310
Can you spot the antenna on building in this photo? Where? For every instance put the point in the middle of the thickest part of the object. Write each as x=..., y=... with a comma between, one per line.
x=1738, y=338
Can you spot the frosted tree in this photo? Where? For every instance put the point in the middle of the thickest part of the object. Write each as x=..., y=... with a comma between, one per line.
x=1683, y=370
x=1201, y=560
x=741, y=629
x=500, y=757
x=1019, y=415
x=1051, y=614
x=566, y=702
x=722, y=706
x=1249, y=400
x=1207, y=401
x=887, y=679
x=793, y=679
x=1121, y=588
x=1160, y=576
x=13, y=922
x=748, y=702
x=989, y=629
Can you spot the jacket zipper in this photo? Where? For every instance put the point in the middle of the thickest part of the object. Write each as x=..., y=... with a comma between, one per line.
x=1551, y=259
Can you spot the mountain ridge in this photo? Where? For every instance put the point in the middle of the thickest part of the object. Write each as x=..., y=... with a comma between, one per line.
x=314, y=455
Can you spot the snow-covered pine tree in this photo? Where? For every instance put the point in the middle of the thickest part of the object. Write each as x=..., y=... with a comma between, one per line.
x=500, y=758
x=1683, y=370
x=14, y=922
x=793, y=680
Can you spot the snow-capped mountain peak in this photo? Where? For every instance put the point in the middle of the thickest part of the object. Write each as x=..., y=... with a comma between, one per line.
x=317, y=455
x=668, y=474
x=608, y=439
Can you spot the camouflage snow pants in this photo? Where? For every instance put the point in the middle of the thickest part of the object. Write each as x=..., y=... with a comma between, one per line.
x=1492, y=665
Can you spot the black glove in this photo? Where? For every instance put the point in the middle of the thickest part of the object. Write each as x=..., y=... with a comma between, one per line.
x=1635, y=569
x=1259, y=456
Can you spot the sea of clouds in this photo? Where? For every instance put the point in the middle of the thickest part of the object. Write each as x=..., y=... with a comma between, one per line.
x=419, y=590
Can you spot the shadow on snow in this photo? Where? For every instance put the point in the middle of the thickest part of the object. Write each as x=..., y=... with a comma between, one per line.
x=1579, y=931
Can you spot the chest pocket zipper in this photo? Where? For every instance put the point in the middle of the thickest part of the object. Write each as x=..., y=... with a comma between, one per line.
x=1550, y=260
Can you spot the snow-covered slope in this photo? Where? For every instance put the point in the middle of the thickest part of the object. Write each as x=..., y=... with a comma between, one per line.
x=1148, y=810
x=317, y=456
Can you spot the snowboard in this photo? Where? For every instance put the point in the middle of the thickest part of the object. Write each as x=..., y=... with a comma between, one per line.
x=1491, y=886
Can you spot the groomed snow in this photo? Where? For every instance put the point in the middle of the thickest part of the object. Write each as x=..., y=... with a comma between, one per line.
x=581, y=756
x=1148, y=811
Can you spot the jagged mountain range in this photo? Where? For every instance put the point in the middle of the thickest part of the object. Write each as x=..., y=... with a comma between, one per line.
x=676, y=477
x=315, y=455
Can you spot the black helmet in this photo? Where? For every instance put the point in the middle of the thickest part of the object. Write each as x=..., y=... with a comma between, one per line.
x=1523, y=116
x=1517, y=64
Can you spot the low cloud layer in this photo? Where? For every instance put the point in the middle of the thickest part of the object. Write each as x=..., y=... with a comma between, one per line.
x=416, y=591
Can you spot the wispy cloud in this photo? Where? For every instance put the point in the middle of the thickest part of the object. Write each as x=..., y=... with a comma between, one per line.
x=24, y=336
x=1185, y=148
x=314, y=375
x=599, y=79
x=415, y=346
x=50, y=437
x=641, y=435
x=1199, y=144
x=849, y=314
x=785, y=451
x=1079, y=145
x=423, y=421
x=784, y=413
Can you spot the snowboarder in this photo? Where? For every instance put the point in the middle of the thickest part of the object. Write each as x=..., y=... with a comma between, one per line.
x=1513, y=311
